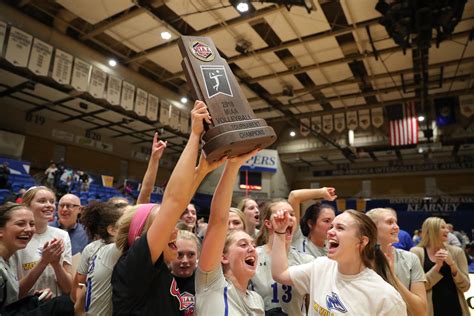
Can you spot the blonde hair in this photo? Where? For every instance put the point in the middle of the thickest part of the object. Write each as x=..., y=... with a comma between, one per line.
x=375, y=213
x=240, y=214
x=430, y=232
x=242, y=203
x=31, y=192
x=121, y=240
x=187, y=235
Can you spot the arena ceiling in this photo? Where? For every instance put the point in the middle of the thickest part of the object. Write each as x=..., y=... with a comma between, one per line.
x=291, y=64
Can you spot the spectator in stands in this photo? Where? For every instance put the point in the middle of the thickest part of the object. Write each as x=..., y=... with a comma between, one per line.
x=84, y=181
x=446, y=270
x=405, y=241
x=416, y=237
x=20, y=195
x=118, y=201
x=50, y=173
x=69, y=208
x=4, y=174
x=46, y=261
x=453, y=238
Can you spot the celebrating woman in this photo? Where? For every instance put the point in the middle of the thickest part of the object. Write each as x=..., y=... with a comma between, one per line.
x=342, y=282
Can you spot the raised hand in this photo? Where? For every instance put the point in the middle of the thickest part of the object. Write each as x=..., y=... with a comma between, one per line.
x=206, y=167
x=240, y=160
x=157, y=148
x=329, y=194
x=198, y=114
x=280, y=220
x=52, y=251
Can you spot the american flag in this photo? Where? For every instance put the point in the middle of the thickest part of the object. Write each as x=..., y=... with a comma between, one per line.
x=404, y=129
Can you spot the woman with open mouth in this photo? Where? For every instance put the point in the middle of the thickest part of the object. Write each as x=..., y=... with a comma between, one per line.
x=252, y=215
x=279, y=299
x=446, y=270
x=345, y=280
x=405, y=266
x=46, y=260
x=228, y=260
x=142, y=283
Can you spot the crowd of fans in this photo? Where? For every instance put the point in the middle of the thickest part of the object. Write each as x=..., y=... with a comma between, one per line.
x=116, y=258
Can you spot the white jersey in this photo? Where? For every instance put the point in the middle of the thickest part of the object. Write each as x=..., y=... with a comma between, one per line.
x=98, y=284
x=304, y=245
x=217, y=296
x=275, y=294
x=26, y=259
x=332, y=293
x=87, y=253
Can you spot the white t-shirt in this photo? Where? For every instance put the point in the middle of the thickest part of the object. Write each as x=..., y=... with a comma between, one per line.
x=275, y=294
x=26, y=259
x=217, y=296
x=98, y=284
x=332, y=293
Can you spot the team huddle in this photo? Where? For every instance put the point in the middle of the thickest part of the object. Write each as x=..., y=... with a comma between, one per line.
x=153, y=259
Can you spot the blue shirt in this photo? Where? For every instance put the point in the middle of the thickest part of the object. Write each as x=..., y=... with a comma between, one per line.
x=404, y=241
x=77, y=234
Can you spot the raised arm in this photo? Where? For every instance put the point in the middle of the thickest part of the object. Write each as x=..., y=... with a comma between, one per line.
x=149, y=179
x=178, y=192
x=296, y=197
x=213, y=244
x=280, y=221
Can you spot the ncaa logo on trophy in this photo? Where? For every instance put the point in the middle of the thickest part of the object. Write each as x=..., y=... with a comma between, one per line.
x=235, y=129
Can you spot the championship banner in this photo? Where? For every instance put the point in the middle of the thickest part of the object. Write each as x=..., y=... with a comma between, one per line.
x=62, y=67
x=128, y=96
x=184, y=123
x=328, y=124
x=316, y=123
x=377, y=117
x=339, y=122
x=304, y=124
x=174, y=117
x=40, y=58
x=97, y=83
x=351, y=119
x=140, y=102
x=18, y=47
x=165, y=112
x=364, y=118
x=80, y=75
x=466, y=103
x=3, y=32
x=152, y=109
x=114, y=88
x=107, y=181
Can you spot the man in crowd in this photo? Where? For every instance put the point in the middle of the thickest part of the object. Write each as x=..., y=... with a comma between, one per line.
x=69, y=208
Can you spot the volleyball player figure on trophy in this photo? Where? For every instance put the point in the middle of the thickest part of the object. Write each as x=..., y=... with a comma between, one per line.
x=235, y=129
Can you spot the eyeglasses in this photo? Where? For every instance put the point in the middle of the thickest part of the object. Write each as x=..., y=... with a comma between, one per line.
x=68, y=206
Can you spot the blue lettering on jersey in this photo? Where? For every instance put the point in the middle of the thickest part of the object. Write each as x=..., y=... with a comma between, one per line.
x=334, y=302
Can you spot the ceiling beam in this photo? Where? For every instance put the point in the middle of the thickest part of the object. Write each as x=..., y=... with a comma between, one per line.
x=77, y=117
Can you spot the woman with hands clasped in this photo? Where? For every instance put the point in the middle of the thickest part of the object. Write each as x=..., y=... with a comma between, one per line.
x=445, y=267
x=228, y=259
x=345, y=280
x=46, y=260
x=405, y=266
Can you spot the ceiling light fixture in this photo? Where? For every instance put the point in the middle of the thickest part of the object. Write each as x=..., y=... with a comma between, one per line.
x=242, y=7
x=184, y=100
x=292, y=134
x=112, y=62
x=165, y=35
x=421, y=118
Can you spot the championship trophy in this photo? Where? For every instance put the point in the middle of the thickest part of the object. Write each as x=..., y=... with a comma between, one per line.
x=235, y=129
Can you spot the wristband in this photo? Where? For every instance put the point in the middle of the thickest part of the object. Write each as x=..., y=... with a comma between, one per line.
x=280, y=233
